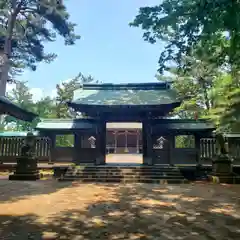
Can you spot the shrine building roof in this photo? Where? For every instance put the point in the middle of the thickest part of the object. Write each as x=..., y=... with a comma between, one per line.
x=132, y=101
x=173, y=124
x=125, y=94
x=17, y=134
x=176, y=124
x=64, y=124
x=10, y=108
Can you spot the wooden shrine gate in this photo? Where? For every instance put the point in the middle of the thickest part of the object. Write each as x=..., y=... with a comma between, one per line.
x=163, y=151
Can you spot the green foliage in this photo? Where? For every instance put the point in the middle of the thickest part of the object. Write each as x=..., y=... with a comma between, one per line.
x=226, y=104
x=23, y=98
x=202, y=41
x=185, y=141
x=184, y=25
x=65, y=140
x=192, y=86
x=32, y=23
x=21, y=95
x=45, y=108
x=65, y=94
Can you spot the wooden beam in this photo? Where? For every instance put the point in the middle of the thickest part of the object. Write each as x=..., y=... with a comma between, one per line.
x=147, y=143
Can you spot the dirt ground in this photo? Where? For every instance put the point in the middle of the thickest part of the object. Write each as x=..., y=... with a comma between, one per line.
x=47, y=208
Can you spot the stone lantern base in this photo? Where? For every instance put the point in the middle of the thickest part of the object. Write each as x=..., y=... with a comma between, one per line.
x=26, y=169
x=222, y=165
x=222, y=170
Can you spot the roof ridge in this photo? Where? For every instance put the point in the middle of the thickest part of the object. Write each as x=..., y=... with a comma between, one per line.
x=54, y=119
x=63, y=119
x=124, y=86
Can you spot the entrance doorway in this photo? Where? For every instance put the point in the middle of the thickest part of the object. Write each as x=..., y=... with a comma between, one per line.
x=124, y=143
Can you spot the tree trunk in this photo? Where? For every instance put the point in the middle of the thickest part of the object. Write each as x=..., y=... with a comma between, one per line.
x=205, y=93
x=5, y=64
x=4, y=74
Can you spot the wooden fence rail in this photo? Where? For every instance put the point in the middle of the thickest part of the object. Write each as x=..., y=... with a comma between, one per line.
x=10, y=148
x=208, y=149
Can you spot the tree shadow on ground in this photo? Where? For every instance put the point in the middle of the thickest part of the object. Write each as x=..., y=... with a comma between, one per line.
x=23, y=189
x=20, y=227
x=139, y=212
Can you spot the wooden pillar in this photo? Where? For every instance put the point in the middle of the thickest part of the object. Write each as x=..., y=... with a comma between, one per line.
x=137, y=139
x=171, y=147
x=126, y=141
x=52, y=137
x=101, y=143
x=115, y=141
x=144, y=144
x=77, y=147
x=197, y=146
x=147, y=143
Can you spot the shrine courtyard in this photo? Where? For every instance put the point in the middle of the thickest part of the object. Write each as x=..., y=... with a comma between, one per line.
x=48, y=209
x=71, y=210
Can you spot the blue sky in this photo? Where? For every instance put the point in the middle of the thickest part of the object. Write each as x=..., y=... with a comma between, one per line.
x=109, y=49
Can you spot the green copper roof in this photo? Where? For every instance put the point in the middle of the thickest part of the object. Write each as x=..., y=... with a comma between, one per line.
x=62, y=124
x=16, y=134
x=175, y=124
x=187, y=126
x=184, y=124
x=125, y=94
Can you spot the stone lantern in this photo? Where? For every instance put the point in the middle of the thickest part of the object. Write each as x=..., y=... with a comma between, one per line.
x=26, y=168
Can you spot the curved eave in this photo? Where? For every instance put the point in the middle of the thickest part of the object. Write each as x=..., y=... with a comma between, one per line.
x=22, y=115
x=102, y=108
x=183, y=125
x=17, y=134
x=9, y=108
x=65, y=124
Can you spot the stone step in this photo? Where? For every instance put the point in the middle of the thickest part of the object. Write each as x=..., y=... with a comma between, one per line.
x=112, y=180
x=124, y=173
x=96, y=168
x=140, y=174
x=124, y=177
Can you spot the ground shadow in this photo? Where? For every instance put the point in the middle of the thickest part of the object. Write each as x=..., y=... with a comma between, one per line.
x=23, y=189
x=20, y=227
x=138, y=212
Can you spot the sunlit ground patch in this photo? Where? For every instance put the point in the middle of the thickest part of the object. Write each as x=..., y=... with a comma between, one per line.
x=160, y=190
x=191, y=199
x=118, y=211
x=153, y=202
x=171, y=196
x=224, y=208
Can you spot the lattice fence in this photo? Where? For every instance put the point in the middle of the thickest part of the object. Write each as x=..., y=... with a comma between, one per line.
x=10, y=148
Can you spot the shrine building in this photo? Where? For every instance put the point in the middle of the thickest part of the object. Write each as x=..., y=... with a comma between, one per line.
x=125, y=118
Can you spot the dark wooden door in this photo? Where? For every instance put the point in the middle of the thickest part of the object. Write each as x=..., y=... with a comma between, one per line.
x=161, y=150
